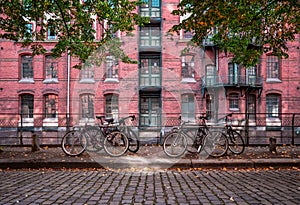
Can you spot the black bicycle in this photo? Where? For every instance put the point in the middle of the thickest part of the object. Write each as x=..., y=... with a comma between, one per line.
x=95, y=138
x=194, y=139
x=134, y=142
x=235, y=141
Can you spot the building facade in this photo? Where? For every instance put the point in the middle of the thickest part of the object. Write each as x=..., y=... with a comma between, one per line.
x=44, y=93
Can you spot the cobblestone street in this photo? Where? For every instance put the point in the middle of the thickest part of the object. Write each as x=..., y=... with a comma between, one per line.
x=150, y=187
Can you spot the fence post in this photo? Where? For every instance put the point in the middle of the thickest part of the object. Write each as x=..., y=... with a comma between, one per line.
x=21, y=131
x=293, y=129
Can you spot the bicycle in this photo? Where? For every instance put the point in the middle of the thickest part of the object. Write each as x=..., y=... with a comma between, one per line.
x=134, y=142
x=96, y=138
x=235, y=140
x=74, y=142
x=178, y=141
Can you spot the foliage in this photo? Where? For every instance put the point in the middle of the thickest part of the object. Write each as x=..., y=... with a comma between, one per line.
x=73, y=23
x=245, y=28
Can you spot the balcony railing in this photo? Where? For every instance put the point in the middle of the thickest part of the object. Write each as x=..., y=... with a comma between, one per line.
x=232, y=80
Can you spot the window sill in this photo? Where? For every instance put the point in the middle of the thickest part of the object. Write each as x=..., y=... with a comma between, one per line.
x=188, y=80
x=50, y=122
x=26, y=80
x=273, y=122
x=88, y=81
x=273, y=80
x=234, y=109
x=86, y=121
x=111, y=80
x=50, y=80
x=26, y=122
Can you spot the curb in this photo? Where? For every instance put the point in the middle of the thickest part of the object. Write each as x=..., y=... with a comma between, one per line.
x=182, y=164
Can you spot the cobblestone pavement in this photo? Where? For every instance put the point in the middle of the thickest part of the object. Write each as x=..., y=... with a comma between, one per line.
x=150, y=187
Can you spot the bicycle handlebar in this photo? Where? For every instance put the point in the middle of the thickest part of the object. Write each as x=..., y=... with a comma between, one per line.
x=122, y=120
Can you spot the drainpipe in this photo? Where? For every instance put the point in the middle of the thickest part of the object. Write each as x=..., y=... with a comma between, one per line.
x=68, y=90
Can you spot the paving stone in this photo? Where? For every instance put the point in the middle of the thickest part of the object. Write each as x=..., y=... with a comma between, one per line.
x=159, y=187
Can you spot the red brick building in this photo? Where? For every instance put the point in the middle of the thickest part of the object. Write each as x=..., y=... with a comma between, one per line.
x=47, y=92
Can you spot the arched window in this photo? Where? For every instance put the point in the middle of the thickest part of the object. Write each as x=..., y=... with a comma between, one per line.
x=51, y=105
x=87, y=106
x=187, y=66
x=273, y=67
x=50, y=67
x=27, y=105
x=26, y=67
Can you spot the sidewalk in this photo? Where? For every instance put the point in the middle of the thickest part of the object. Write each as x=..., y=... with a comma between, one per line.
x=151, y=157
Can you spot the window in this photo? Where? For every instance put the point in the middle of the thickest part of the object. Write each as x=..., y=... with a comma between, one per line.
x=252, y=107
x=187, y=107
x=187, y=65
x=251, y=75
x=233, y=73
x=87, y=106
x=187, y=34
x=28, y=32
x=27, y=4
x=234, y=101
x=150, y=74
x=51, y=32
x=273, y=67
x=51, y=106
x=87, y=72
x=26, y=67
x=273, y=105
x=210, y=106
x=150, y=36
x=111, y=67
x=50, y=67
x=150, y=8
x=27, y=106
x=111, y=106
x=210, y=75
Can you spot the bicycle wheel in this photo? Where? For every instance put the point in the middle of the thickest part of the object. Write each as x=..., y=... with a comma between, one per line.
x=116, y=144
x=134, y=143
x=73, y=143
x=236, y=142
x=215, y=143
x=94, y=138
x=175, y=144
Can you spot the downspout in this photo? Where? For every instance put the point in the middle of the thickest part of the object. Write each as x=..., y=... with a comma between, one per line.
x=68, y=90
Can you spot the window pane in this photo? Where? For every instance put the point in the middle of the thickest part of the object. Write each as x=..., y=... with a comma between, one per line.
x=155, y=3
x=27, y=69
x=51, y=108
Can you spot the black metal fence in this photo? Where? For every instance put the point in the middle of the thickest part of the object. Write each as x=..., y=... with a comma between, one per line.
x=256, y=129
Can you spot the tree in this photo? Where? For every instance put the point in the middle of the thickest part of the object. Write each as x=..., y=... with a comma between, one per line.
x=72, y=21
x=245, y=28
